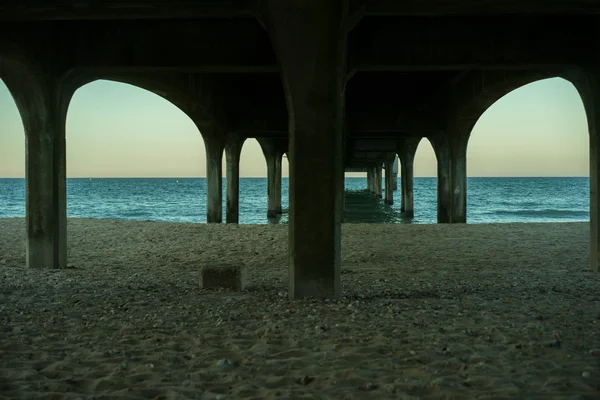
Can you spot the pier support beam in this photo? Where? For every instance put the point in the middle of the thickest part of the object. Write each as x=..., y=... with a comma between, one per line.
x=310, y=38
x=406, y=148
x=233, y=150
x=42, y=98
x=378, y=179
x=451, y=153
x=587, y=83
x=370, y=180
x=389, y=178
x=214, y=142
x=273, y=151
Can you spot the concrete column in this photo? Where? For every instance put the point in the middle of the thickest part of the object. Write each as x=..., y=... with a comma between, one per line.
x=378, y=179
x=370, y=180
x=273, y=150
x=274, y=184
x=587, y=83
x=407, y=147
x=310, y=41
x=43, y=98
x=214, y=142
x=389, y=179
x=233, y=151
x=451, y=153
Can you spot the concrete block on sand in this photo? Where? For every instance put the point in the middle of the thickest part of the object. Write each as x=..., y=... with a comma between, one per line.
x=223, y=276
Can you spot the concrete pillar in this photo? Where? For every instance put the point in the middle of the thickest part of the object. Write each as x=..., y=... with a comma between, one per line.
x=309, y=39
x=214, y=142
x=389, y=179
x=451, y=153
x=406, y=148
x=274, y=184
x=587, y=82
x=370, y=180
x=378, y=179
x=273, y=150
x=233, y=151
x=43, y=98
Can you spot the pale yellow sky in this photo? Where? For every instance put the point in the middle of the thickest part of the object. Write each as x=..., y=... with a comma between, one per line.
x=117, y=130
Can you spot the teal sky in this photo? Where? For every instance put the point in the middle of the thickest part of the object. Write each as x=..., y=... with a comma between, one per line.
x=117, y=130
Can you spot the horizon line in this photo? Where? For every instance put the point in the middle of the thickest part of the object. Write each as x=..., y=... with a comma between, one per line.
x=264, y=177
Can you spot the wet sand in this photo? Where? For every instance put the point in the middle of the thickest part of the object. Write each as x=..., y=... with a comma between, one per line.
x=505, y=311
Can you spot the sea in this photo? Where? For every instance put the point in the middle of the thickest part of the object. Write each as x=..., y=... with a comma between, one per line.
x=489, y=200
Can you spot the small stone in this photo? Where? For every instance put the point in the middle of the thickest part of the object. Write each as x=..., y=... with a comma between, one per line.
x=223, y=276
x=150, y=366
x=585, y=374
x=370, y=386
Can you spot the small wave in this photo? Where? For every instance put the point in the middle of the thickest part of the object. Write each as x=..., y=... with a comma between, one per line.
x=544, y=213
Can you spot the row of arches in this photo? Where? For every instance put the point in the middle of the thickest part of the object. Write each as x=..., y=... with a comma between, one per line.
x=119, y=130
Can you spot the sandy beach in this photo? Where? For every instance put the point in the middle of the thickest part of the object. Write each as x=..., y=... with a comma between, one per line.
x=505, y=311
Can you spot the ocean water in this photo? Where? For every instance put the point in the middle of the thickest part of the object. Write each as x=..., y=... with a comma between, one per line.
x=184, y=200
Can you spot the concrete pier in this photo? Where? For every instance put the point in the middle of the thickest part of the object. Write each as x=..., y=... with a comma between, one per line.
x=389, y=178
x=233, y=151
x=273, y=152
x=42, y=100
x=370, y=180
x=214, y=144
x=378, y=181
x=587, y=82
x=407, y=148
x=310, y=42
x=451, y=152
x=278, y=70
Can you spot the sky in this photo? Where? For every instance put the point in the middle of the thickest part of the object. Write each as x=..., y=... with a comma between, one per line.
x=118, y=130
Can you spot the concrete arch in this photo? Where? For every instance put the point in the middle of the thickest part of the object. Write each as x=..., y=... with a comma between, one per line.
x=137, y=131
x=424, y=158
x=171, y=93
x=522, y=119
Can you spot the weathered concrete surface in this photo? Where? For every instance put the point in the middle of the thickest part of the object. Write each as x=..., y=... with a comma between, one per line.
x=406, y=153
x=214, y=142
x=371, y=179
x=389, y=178
x=223, y=276
x=587, y=82
x=233, y=150
x=451, y=153
x=273, y=150
x=42, y=98
x=310, y=43
x=378, y=181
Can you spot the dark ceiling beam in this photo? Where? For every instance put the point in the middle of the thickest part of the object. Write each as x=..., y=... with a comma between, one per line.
x=36, y=10
x=445, y=7
x=220, y=46
x=458, y=42
x=11, y=10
